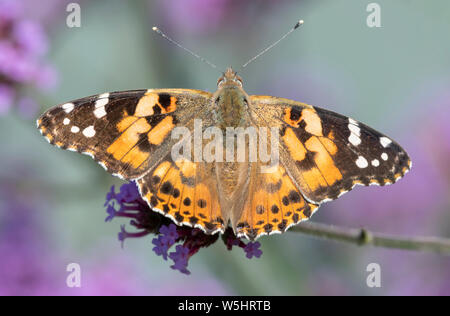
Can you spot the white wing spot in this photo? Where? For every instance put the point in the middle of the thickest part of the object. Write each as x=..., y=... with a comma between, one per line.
x=384, y=156
x=89, y=131
x=100, y=112
x=102, y=100
x=354, y=129
x=375, y=162
x=361, y=162
x=354, y=140
x=352, y=121
x=66, y=121
x=384, y=141
x=75, y=129
x=68, y=107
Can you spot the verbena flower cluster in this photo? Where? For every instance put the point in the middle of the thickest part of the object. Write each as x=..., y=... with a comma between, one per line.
x=177, y=243
x=23, y=45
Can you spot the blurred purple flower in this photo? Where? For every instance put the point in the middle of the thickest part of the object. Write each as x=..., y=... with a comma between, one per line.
x=30, y=38
x=131, y=205
x=9, y=10
x=7, y=54
x=23, y=43
x=26, y=266
x=21, y=69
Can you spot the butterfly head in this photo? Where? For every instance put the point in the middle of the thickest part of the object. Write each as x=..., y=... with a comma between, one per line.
x=229, y=78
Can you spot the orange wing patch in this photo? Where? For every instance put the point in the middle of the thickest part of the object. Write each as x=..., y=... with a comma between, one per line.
x=137, y=134
x=155, y=103
x=314, y=155
x=323, y=158
x=307, y=116
x=129, y=137
x=158, y=133
x=294, y=145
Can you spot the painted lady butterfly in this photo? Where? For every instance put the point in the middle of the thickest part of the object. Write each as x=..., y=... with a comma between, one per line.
x=322, y=154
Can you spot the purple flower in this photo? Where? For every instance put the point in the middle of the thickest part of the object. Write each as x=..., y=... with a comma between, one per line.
x=168, y=236
x=23, y=44
x=128, y=193
x=7, y=54
x=21, y=69
x=180, y=258
x=111, y=195
x=123, y=234
x=169, y=233
x=252, y=250
x=30, y=37
x=111, y=210
x=9, y=10
x=161, y=247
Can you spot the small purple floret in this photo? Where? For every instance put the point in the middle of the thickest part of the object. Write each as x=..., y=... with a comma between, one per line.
x=252, y=250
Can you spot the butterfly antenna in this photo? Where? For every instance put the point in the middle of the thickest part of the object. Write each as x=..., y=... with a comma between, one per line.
x=157, y=30
x=296, y=26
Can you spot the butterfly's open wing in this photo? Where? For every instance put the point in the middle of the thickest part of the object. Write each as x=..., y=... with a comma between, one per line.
x=129, y=133
x=326, y=153
x=126, y=132
x=322, y=155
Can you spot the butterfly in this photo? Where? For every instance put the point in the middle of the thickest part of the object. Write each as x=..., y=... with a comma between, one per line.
x=321, y=154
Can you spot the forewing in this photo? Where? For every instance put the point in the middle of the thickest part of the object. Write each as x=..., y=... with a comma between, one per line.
x=126, y=132
x=326, y=154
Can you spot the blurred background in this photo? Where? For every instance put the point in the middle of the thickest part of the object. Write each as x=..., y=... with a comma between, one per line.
x=394, y=78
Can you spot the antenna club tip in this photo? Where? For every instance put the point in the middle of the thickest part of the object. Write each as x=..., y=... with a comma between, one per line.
x=300, y=22
x=154, y=28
